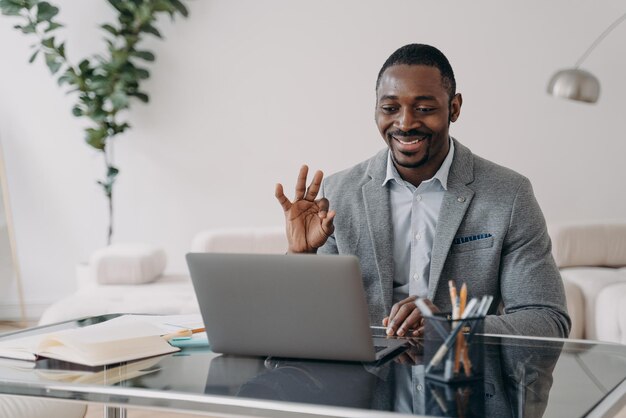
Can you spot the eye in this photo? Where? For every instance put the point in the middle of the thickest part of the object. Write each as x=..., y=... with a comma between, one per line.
x=423, y=109
x=389, y=108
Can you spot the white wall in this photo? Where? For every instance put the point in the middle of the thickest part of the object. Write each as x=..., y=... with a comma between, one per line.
x=244, y=92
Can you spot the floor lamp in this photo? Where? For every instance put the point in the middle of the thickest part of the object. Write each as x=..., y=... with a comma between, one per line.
x=4, y=196
x=577, y=84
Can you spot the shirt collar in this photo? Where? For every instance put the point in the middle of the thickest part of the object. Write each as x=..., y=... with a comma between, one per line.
x=441, y=174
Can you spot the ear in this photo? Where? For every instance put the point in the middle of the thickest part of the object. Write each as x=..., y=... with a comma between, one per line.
x=455, y=107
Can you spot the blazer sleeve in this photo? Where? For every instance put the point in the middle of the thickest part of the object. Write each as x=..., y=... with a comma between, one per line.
x=532, y=290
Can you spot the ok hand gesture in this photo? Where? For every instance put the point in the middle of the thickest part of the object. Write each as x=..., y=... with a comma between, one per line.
x=309, y=222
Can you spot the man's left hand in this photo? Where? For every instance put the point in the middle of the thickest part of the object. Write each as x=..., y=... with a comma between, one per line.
x=405, y=317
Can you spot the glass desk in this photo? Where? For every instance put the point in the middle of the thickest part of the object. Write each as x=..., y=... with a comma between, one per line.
x=522, y=377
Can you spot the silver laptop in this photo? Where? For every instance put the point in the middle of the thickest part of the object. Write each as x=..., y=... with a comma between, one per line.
x=300, y=306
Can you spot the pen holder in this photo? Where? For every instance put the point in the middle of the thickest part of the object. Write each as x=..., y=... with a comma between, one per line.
x=452, y=354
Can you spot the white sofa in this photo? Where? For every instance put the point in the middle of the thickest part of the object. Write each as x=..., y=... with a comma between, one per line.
x=591, y=257
x=170, y=294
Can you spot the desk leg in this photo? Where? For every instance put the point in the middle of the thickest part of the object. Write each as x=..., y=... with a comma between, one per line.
x=114, y=412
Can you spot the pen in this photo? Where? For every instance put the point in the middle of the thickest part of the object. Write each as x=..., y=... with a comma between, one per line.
x=452, y=337
x=385, y=329
x=183, y=333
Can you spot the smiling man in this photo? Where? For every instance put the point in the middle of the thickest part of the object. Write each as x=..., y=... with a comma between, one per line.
x=425, y=210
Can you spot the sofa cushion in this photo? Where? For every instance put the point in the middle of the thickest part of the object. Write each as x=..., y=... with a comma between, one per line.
x=591, y=281
x=575, y=308
x=611, y=313
x=589, y=244
x=127, y=264
x=269, y=240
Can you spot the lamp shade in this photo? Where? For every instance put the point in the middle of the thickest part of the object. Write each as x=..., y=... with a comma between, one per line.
x=575, y=84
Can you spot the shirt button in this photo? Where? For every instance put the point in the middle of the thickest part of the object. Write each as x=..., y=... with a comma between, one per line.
x=416, y=276
x=418, y=197
x=418, y=236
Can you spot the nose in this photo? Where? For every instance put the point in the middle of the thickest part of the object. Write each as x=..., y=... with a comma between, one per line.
x=407, y=119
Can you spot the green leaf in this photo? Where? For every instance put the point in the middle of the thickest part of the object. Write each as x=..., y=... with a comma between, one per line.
x=141, y=96
x=119, y=100
x=152, y=30
x=11, y=10
x=110, y=29
x=163, y=6
x=112, y=172
x=77, y=111
x=52, y=26
x=98, y=115
x=52, y=62
x=180, y=7
x=118, y=4
x=118, y=129
x=96, y=138
x=30, y=28
x=48, y=43
x=61, y=50
x=67, y=77
x=46, y=11
x=142, y=73
x=83, y=66
x=32, y=57
x=146, y=55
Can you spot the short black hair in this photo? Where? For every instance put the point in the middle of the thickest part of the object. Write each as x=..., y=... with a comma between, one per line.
x=422, y=54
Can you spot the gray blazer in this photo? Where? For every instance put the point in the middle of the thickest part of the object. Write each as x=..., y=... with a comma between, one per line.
x=491, y=234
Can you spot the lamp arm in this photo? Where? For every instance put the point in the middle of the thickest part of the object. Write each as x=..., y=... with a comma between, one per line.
x=600, y=38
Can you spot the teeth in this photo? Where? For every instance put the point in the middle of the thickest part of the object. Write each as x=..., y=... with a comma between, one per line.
x=411, y=142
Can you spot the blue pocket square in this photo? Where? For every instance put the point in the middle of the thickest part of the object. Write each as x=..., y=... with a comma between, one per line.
x=463, y=240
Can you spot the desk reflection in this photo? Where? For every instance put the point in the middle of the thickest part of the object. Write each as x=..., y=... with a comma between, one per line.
x=516, y=382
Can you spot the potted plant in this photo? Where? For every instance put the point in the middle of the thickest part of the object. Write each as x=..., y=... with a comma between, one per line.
x=104, y=85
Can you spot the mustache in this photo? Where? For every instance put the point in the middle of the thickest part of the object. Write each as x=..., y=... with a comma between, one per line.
x=411, y=132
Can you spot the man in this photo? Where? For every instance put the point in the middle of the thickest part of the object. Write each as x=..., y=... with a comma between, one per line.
x=426, y=210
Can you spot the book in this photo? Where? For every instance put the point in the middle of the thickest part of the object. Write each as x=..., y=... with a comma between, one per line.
x=109, y=376
x=118, y=340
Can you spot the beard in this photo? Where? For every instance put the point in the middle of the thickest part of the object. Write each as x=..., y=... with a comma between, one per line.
x=404, y=159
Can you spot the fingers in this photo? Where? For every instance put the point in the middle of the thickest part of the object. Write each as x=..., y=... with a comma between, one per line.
x=314, y=188
x=412, y=321
x=323, y=206
x=397, y=306
x=419, y=332
x=282, y=199
x=327, y=223
x=301, y=182
x=404, y=316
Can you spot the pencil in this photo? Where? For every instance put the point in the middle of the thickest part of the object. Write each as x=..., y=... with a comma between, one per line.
x=453, y=294
x=450, y=340
x=460, y=340
x=183, y=333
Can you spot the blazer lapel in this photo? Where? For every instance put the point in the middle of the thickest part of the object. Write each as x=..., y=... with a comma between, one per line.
x=378, y=215
x=455, y=203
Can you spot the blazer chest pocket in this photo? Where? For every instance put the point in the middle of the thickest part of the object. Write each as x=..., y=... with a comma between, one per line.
x=474, y=242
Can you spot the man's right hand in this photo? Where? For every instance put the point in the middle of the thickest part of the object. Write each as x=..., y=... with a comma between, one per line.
x=309, y=222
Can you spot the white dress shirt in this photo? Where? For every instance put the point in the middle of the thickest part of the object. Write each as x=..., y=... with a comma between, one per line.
x=414, y=215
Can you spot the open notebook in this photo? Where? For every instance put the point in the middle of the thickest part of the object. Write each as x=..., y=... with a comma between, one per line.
x=121, y=339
